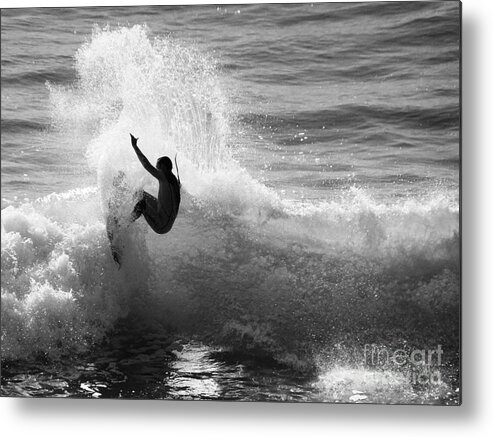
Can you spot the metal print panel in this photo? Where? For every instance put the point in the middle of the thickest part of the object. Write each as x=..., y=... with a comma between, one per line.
x=236, y=202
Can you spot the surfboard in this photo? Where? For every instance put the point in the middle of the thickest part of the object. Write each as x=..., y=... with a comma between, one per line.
x=118, y=218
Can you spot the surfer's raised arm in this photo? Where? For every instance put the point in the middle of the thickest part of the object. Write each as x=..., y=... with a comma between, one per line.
x=160, y=213
x=144, y=161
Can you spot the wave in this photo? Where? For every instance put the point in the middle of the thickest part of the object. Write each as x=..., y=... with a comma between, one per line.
x=60, y=293
x=246, y=277
x=243, y=267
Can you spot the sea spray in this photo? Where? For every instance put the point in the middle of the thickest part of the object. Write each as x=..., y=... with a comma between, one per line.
x=61, y=292
x=55, y=289
x=165, y=93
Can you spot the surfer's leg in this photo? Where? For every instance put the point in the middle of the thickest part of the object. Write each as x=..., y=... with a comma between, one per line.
x=152, y=216
x=140, y=206
x=138, y=210
x=148, y=206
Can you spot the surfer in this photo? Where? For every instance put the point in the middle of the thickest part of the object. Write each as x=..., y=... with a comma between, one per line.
x=159, y=213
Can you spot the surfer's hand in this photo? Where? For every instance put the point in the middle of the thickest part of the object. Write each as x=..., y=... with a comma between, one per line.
x=134, y=140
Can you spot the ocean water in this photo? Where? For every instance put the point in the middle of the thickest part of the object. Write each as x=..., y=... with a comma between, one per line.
x=318, y=236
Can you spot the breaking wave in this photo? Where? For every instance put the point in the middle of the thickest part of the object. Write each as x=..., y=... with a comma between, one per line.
x=243, y=267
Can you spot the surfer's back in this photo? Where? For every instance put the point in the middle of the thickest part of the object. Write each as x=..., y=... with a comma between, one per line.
x=169, y=194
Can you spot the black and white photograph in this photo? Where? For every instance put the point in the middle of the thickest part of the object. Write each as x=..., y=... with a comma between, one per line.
x=232, y=202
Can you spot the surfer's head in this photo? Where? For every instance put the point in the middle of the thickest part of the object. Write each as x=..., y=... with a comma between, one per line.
x=164, y=163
